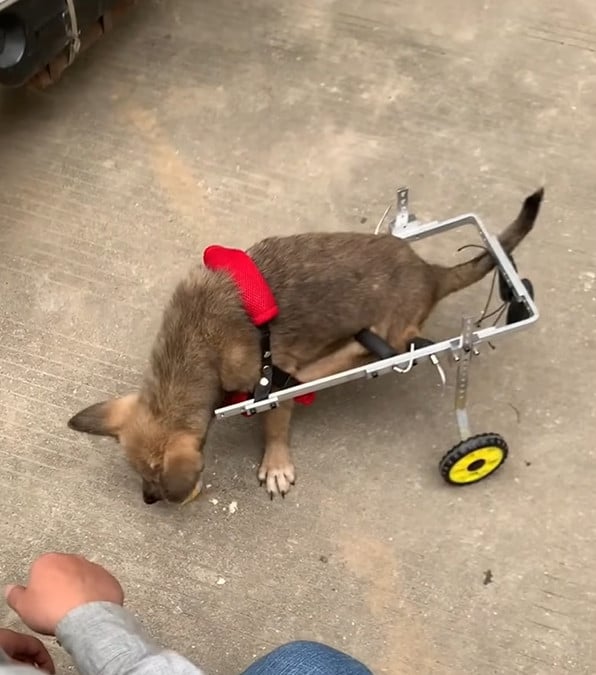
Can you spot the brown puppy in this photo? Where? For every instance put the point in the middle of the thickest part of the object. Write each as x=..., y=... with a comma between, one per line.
x=328, y=287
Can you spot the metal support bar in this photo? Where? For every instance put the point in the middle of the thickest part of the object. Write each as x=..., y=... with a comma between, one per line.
x=461, y=387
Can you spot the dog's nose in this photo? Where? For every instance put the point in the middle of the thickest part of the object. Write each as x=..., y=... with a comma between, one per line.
x=151, y=493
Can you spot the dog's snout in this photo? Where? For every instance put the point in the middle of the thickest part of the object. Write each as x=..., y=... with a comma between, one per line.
x=150, y=494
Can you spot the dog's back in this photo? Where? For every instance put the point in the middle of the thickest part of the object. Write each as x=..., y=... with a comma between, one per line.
x=331, y=285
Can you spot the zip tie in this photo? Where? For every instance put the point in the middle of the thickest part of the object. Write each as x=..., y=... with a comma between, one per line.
x=75, y=40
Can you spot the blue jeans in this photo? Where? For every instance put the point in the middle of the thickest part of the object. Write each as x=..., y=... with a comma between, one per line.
x=306, y=658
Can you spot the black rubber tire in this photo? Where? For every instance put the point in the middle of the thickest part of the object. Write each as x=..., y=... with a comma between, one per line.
x=470, y=445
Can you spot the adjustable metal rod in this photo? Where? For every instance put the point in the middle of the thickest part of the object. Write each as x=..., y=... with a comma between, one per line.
x=461, y=386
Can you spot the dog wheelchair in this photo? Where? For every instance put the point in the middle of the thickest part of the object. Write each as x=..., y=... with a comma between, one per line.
x=474, y=457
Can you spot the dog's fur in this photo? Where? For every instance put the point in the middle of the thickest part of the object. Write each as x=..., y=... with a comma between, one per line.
x=328, y=286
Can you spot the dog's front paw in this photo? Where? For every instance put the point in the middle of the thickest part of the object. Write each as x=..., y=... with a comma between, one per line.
x=277, y=476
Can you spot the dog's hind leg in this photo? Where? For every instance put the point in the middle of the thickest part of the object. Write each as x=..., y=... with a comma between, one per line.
x=400, y=337
x=354, y=354
x=349, y=356
x=277, y=470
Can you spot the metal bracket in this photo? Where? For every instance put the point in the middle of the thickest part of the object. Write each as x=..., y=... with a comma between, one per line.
x=403, y=217
x=75, y=36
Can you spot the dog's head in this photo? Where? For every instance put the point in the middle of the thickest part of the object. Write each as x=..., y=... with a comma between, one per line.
x=169, y=462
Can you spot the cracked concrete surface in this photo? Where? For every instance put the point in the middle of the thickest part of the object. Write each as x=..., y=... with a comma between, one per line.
x=203, y=122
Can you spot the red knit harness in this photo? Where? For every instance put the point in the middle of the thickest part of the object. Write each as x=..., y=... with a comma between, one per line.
x=261, y=307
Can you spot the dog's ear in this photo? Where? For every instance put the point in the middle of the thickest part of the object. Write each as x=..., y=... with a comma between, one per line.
x=105, y=418
x=182, y=467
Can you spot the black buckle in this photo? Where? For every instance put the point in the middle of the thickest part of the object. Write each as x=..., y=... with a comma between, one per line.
x=263, y=388
x=283, y=380
x=270, y=375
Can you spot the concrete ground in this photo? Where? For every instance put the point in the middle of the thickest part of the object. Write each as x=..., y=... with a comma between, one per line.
x=222, y=121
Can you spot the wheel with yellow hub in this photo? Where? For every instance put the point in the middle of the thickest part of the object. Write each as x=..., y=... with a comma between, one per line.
x=474, y=459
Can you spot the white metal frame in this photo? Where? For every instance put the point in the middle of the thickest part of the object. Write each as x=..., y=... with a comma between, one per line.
x=405, y=226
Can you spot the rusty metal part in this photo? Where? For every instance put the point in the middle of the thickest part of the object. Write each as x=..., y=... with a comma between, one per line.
x=52, y=72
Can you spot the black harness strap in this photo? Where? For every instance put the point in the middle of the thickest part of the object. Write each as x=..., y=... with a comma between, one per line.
x=283, y=380
x=263, y=388
x=271, y=376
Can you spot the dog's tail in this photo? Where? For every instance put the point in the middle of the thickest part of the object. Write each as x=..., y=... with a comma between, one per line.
x=452, y=279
